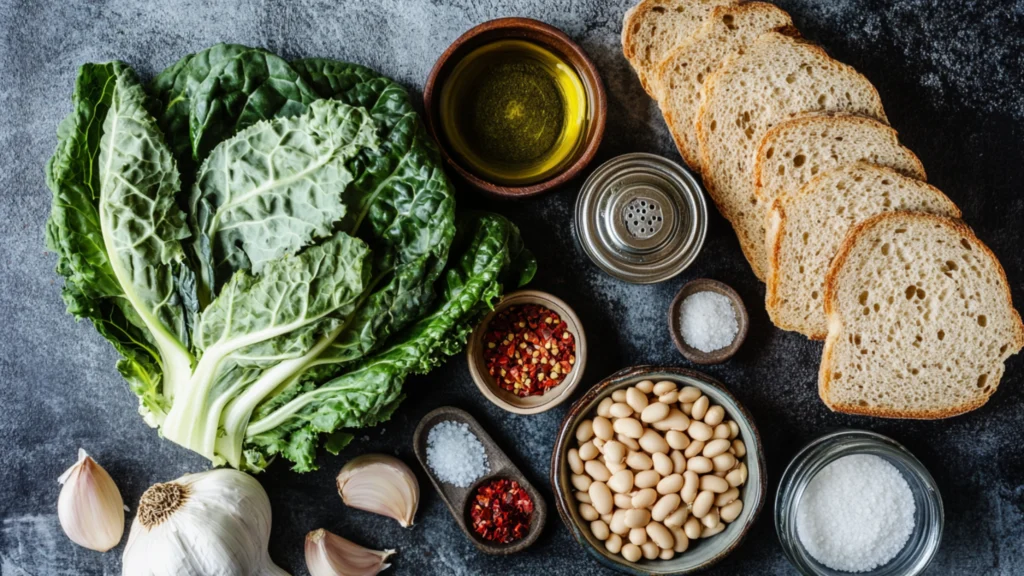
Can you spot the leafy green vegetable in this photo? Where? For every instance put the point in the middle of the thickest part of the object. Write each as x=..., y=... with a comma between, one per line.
x=302, y=275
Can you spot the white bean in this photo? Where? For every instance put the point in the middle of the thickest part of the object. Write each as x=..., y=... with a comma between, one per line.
x=652, y=442
x=716, y=447
x=613, y=544
x=604, y=406
x=603, y=428
x=694, y=449
x=678, y=461
x=682, y=541
x=670, y=484
x=709, y=532
x=629, y=427
x=621, y=482
x=691, y=485
x=598, y=442
x=650, y=550
x=700, y=431
x=689, y=394
x=700, y=465
x=724, y=462
x=734, y=477
x=618, y=523
x=667, y=554
x=714, y=415
x=700, y=407
x=631, y=552
x=739, y=448
x=711, y=519
x=582, y=496
x=638, y=517
x=600, y=530
x=619, y=395
x=701, y=505
x=654, y=412
x=713, y=484
x=588, y=512
x=601, y=497
x=645, y=386
x=639, y=461
x=677, y=518
x=636, y=399
x=588, y=451
x=597, y=470
x=621, y=410
x=585, y=431
x=665, y=505
x=646, y=479
x=662, y=463
x=615, y=467
x=575, y=462
x=687, y=407
x=660, y=535
x=675, y=420
x=644, y=498
x=663, y=387
x=638, y=536
x=614, y=451
x=692, y=528
x=731, y=511
x=734, y=429
x=727, y=496
x=629, y=443
x=669, y=398
x=622, y=501
x=721, y=431
x=581, y=482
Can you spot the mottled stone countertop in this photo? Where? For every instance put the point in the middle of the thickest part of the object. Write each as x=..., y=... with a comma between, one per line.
x=951, y=75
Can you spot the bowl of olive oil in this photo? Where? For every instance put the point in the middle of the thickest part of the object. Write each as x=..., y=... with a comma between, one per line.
x=516, y=107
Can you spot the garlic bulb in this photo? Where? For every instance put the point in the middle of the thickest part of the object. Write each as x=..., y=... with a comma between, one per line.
x=215, y=523
x=380, y=484
x=331, y=555
x=90, y=507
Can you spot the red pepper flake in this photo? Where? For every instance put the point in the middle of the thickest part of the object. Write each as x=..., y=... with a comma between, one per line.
x=528, y=349
x=501, y=511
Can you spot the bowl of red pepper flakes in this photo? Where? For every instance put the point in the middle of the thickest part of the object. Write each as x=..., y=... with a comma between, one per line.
x=501, y=511
x=528, y=354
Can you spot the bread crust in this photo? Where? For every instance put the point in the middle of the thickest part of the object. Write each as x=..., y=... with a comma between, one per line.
x=835, y=321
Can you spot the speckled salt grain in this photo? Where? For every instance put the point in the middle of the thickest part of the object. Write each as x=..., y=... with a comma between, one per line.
x=455, y=454
x=856, y=514
x=707, y=321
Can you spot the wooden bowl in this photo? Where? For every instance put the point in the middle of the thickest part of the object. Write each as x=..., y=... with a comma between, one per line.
x=715, y=356
x=548, y=37
x=701, y=553
x=458, y=500
x=527, y=404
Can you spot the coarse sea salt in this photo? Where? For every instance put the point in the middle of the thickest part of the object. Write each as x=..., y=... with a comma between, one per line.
x=856, y=514
x=707, y=321
x=455, y=454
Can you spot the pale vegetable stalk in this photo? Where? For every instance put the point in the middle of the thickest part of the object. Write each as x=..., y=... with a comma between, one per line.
x=331, y=555
x=380, y=484
x=90, y=507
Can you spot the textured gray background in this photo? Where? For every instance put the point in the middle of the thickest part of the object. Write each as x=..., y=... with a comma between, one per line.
x=950, y=73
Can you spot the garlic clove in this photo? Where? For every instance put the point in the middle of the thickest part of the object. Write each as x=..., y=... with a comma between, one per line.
x=380, y=484
x=331, y=555
x=90, y=507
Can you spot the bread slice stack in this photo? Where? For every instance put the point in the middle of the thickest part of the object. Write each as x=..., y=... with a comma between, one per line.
x=830, y=209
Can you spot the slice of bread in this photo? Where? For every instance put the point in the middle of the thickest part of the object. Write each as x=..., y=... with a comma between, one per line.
x=775, y=77
x=679, y=77
x=920, y=320
x=653, y=27
x=805, y=230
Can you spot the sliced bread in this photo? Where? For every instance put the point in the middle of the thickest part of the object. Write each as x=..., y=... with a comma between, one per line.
x=679, y=77
x=805, y=230
x=653, y=27
x=920, y=319
x=775, y=77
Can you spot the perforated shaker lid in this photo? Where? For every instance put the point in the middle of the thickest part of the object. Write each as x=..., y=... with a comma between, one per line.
x=641, y=218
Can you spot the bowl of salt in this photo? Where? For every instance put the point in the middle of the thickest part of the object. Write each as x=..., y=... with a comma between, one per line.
x=708, y=321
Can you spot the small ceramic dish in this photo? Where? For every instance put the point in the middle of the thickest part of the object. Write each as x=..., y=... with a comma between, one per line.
x=459, y=500
x=701, y=553
x=924, y=541
x=549, y=38
x=742, y=319
x=527, y=404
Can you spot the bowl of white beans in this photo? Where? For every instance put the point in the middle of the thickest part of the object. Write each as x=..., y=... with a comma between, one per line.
x=658, y=470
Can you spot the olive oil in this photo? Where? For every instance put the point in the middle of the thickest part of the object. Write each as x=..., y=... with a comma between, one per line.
x=513, y=112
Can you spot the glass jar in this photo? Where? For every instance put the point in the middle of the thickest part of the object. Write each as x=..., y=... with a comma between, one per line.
x=923, y=542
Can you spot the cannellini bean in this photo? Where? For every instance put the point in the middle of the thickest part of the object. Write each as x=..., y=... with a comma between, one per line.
x=636, y=399
x=622, y=501
x=618, y=523
x=689, y=394
x=666, y=554
x=678, y=461
x=606, y=518
x=731, y=511
x=601, y=496
x=734, y=477
x=629, y=443
x=665, y=505
x=727, y=496
x=652, y=442
x=660, y=535
x=720, y=431
x=644, y=498
x=588, y=451
x=687, y=407
x=734, y=429
x=619, y=396
x=600, y=530
x=582, y=496
x=650, y=550
x=597, y=470
x=575, y=462
x=621, y=482
x=654, y=412
x=691, y=485
x=709, y=532
x=723, y=462
x=663, y=387
x=714, y=416
x=700, y=407
x=621, y=410
x=613, y=544
x=645, y=386
x=682, y=541
x=604, y=406
x=714, y=484
x=646, y=479
x=676, y=519
x=700, y=465
x=700, y=431
x=711, y=519
x=603, y=428
x=637, y=517
x=639, y=461
x=677, y=440
x=662, y=464
x=614, y=451
x=716, y=447
x=588, y=512
x=581, y=482
x=638, y=536
x=669, y=398
x=629, y=427
x=694, y=449
x=669, y=484
x=739, y=448
x=692, y=528
x=585, y=431
x=675, y=420
x=631, y=552
x=615, y=467
x=598, y=442
x=701, y=505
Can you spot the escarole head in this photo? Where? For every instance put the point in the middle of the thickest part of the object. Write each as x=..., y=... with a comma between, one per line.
x=217, y=522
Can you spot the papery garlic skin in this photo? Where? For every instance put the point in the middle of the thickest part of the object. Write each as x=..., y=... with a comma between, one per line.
x=331, y=555
x=381, y=484
x=214, y=523
x=90, y=507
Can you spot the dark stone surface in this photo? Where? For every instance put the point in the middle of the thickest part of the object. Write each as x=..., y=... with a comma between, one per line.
x=950, y=74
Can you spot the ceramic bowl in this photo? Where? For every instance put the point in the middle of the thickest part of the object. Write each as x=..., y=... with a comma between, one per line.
x=701, y=553
x=742, y=319
x=547, y=37
x=527, y=404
